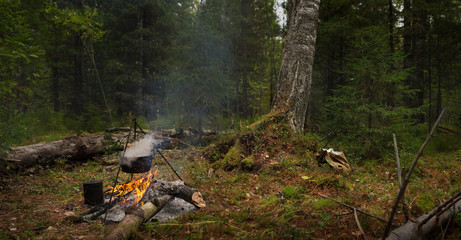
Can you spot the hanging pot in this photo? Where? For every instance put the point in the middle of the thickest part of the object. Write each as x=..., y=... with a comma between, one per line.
x=136, y=164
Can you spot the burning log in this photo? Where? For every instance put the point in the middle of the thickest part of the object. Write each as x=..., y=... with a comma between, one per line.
x=73, y=148
x=136, y=217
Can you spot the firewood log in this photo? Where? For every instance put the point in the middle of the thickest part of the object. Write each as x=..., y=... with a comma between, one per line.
x=180, y=190
x=136, y=217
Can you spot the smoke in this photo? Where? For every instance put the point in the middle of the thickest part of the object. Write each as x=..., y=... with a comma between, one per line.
x=141, y=148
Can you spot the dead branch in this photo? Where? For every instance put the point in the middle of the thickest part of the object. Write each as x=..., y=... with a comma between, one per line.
x=353, y=208
x=399, y=173
x=410, y=171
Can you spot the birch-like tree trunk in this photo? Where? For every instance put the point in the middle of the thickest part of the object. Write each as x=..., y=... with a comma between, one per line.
x=294, y=83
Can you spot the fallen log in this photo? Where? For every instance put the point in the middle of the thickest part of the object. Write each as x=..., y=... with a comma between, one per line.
x=72, y=148
x=428, y=222
x=136, y=217
x=118, y=129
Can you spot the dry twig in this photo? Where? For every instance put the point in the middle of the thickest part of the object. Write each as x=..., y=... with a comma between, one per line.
x=351, y=207
x=358, y=224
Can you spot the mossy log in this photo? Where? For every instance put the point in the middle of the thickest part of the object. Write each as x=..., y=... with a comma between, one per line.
x=136, y=217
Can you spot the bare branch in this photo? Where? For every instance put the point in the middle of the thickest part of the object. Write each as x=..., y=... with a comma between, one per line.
x=351, y=207
x=407, y=178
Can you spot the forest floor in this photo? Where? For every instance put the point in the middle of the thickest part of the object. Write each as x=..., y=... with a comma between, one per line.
x=278, y=199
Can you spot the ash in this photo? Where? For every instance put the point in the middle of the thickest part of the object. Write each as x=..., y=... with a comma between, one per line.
x=175, y=208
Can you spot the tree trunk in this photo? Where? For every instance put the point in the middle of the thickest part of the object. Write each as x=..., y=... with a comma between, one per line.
x=55, y=85
x=407, y=39
x=419, y=30
x=294, y=83
x=245, y=56
x=77, y=100
x=77, y=104
x=142, y=63
x=429, y=84
x=71, y=148
x=391, y=25
x=439, y=79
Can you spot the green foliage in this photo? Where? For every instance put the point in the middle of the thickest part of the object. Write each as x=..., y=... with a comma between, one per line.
x=21, y=64
x=367, y=109
x=83, y=23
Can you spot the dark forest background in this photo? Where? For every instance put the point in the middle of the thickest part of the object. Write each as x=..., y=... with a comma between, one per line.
x=381, y=66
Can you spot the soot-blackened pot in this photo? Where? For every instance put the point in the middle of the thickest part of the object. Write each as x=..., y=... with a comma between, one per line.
x=138, y=164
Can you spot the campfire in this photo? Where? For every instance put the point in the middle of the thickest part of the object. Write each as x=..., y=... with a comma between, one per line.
x=138, y=186
x=141, y=189
x=143, y=198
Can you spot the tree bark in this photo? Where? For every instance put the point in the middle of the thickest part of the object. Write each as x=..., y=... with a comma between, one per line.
x=55, y=88
x=419, y=31
x=407, y=40
x=391, y=25
x=133, y=220
x=245, y=55
x=73, y=148
x=77, y=104
x=77, y=98
x=294, y=83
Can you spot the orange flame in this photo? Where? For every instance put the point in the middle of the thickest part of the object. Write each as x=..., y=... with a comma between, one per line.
x=138, y=186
